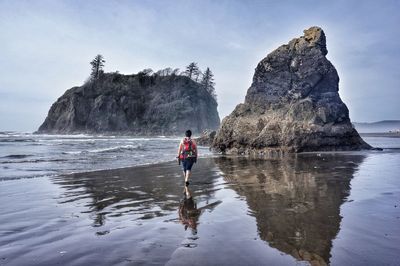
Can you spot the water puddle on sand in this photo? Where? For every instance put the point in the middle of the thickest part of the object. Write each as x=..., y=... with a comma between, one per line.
x=305, y=209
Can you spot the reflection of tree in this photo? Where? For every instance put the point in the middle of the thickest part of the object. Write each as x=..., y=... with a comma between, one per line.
x=296, y=201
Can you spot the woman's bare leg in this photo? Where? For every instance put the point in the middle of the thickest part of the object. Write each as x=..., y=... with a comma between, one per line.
x=187, y=176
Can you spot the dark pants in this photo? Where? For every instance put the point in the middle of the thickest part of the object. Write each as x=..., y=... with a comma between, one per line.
x=187, y=164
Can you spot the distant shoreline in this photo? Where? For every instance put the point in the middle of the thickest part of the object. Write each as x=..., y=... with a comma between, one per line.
x=384, y=135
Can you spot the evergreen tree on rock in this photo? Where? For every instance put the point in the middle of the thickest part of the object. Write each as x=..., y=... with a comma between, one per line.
x=97, y=67
x=208, y=83
x=192, y=71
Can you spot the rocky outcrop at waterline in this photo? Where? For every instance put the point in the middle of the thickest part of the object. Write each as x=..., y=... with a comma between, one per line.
x=292, y=105
x=134, y=104
x=206, y=138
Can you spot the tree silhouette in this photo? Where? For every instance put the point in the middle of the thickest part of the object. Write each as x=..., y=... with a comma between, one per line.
x=208, y=83
x=192, y=71
x=97, y=67
x=147, y=72
x=175, y=72
x=146, y=77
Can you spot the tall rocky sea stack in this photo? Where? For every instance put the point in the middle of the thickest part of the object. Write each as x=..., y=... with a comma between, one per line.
x=293, y=104
x=134, y=104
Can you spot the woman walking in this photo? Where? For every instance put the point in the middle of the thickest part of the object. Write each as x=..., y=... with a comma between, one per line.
x=187, y=154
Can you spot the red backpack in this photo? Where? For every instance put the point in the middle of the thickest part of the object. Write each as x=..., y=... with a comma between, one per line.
x=189, y=149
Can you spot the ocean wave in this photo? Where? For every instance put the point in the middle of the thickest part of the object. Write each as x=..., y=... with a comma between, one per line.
x=65, y=136
x=15, y=133
x=82, y=153
x=71, y=140
x=34, y=161
x=16, y=156
x=16, y=140
x=11, y=178
x=118, y=148
x=109, y=149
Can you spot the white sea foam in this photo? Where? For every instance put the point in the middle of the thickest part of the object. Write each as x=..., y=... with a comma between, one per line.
x=118, y=148
x=81, y=153
x=108, y=149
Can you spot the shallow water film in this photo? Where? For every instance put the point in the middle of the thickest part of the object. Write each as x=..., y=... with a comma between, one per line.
x=318, y=209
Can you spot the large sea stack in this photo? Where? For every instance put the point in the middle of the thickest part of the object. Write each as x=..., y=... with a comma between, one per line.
x=134, y=104
x=293, y=104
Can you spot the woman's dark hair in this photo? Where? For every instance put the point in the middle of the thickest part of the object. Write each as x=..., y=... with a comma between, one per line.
x=188, y=133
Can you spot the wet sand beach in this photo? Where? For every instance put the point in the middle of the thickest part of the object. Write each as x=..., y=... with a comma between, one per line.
x=318, y=209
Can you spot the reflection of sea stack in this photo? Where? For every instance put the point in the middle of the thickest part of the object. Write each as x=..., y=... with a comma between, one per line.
x=296, y=201
x=292, y=105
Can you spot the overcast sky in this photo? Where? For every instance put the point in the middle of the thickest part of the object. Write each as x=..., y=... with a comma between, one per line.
x=46, y=47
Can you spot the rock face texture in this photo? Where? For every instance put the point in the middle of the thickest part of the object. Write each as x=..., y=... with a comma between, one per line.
x=206, y=138
x=134, y=104
x=293, y=104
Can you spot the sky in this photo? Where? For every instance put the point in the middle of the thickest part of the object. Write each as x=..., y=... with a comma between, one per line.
x=46, y=47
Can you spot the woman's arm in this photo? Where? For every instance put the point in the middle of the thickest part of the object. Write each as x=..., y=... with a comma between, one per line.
x=179, y=149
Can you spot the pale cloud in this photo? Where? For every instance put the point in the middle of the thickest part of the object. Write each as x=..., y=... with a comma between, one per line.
x=234, y=45
x=46, y=47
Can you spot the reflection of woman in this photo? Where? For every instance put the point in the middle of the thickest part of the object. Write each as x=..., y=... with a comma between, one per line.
x=188, y=212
